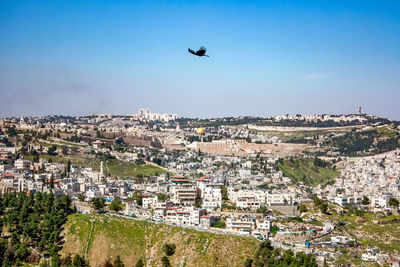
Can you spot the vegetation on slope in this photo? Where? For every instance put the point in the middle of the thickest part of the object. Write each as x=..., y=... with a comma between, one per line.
x=31, y=227
x=100, y=237
x=308, y=171
x=123, y=169
x=368, y=229
x=231, y=121
x=268, y=256
x=368, y=142
x=305, y=136
x=373, y=230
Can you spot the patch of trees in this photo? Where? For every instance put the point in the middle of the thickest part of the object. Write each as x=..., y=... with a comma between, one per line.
x=224, y=193
x=303, y=208
x=11, y=131
x=321, y=163
x=267, y=255
x=353, y=210
x=262, y=209
x=116, y=204
x=98, y=203
x=5, y=141
x=365, y=201
x=74, y=139
x=219, y=224
x=394, y=202
x=362, y=142
x=32, y=225
x=140, y=263
x=169, y=250
x=274, y=229
x=104, y=156
x=162, y=197
x=354, y=142
x=52, y=150
x=387, y=144
x=298, y=140
x=117, y=262
x=231, y=121
x=157, y=161
x=67, y=261
x=322, y=205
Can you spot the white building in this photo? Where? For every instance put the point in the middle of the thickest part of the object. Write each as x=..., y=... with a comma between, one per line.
x=22, y=164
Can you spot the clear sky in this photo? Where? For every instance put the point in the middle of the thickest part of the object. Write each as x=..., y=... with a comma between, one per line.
x=266, y=57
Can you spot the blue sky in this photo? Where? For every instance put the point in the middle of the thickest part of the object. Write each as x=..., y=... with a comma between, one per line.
x=266, y=57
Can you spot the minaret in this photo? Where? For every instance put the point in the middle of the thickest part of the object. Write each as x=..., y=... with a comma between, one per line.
x=101, y=170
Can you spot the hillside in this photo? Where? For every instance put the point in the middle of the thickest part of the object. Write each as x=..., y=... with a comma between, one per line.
x=113, y=167
x=367, y=142
x=103, y=237
x=304, y=170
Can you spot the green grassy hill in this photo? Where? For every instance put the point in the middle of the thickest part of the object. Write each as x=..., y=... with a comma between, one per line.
x=304, y=170
x=115, y=167
x=100, y=237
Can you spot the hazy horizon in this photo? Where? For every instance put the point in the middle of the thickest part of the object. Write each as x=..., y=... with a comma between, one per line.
x=266, y=59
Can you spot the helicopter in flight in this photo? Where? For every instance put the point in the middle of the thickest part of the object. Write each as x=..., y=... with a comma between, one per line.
x=200, y=53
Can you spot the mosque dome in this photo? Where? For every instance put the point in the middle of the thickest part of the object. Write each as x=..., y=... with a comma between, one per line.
x=200, y=131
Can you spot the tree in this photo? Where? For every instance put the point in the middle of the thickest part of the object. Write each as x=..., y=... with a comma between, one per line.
x=98, y=203
x=79, y=261
x=365, y=201
x=69, y=166
x=262, y=209
x=220, y=224
x=317, y=200
x=320, y=163
x=169, y=249
x=107, y=263
x=81, y=197
x=248, y=263
x=393, y=202
x=55, y=260
x=320, y=203
x=303, y=208
x=165, y=261
x=140, y=263
x=197, y=202
x=157, y=161
x=266, y=255
x=22, y=252
x=162, y=197
x=274, y=229
x=116, y=205
x=323, y=207
x=224, y=193
x=67, y=260
x=263, y=253
x=118, y=262
x=52, y=150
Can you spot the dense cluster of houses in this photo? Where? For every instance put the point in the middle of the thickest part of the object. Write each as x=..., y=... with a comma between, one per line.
x=375, y=177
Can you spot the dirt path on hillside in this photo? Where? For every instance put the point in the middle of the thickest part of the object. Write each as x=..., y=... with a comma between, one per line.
x=89, y=237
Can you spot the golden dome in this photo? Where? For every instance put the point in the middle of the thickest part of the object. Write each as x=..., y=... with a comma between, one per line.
x=200, y=131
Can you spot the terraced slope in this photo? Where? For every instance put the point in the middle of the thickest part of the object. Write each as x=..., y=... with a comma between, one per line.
x=100, y=237
x=304, y=170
